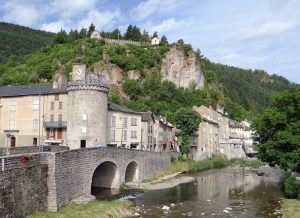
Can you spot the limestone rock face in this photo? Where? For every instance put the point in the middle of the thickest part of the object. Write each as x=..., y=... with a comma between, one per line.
x=110, y=73
x=133, y=74
x=182, y=70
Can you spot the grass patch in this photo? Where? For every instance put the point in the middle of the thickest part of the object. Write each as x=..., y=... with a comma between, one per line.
x=291, y=208
x=176, y=166
x=199, y=166
x=91, y=209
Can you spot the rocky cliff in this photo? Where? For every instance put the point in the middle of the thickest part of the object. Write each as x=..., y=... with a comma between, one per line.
x=182, y=70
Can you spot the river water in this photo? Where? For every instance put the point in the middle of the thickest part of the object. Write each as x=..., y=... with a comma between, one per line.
x=215, y=193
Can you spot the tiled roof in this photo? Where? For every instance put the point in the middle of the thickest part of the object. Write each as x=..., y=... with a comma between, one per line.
x=115, y=107
x=33, y=89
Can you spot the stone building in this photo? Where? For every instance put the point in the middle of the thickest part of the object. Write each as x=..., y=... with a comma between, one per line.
x=155, y=41
x=32, y=114
x=217, y=133
x=124, y=127
x=157, y=133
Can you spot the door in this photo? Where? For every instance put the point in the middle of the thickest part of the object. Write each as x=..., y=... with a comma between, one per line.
x=34, y=141
x=82, y=143
x=13, y=141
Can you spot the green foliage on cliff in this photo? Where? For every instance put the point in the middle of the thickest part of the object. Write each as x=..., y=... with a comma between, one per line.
x=278, y=131
x=242, y=92
x=18, y=40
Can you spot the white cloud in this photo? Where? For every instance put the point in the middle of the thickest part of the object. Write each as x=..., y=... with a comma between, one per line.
x=54, y=26
x=71, y=8
x=20, y=13
x=267, y=29
x=167, y=25
x=147, y=8
x=101, y=19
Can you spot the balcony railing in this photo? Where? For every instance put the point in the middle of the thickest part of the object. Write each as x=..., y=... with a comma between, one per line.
x=55, y=124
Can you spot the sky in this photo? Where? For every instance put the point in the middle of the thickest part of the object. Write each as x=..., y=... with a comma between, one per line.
x=252, y=34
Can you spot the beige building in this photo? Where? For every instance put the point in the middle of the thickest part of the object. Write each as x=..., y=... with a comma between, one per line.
x=157, y=133
x=217, y=133
x=25, y=111
x=124, y=127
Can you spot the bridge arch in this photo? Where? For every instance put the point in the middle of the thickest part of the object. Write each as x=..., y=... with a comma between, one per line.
x=106, y=175
x=132, y=172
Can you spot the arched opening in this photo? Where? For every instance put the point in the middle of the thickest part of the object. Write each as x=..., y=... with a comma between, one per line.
x=105, y=180
x=105, y=175
x=13, y=142
x=131, y=173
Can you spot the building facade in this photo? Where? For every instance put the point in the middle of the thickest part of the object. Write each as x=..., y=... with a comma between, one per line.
x=124, y=127
x=218, y=134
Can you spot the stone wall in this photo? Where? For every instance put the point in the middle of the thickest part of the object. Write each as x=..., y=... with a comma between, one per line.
x=32, y=149
x=74, y=169
x=23, y=185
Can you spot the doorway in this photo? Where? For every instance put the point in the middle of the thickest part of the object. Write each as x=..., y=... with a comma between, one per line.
x=13, y=142
x=34, y=141
x=82, y=143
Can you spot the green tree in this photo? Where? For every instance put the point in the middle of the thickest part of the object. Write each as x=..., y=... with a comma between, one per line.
x=61, y=37
x=131, y=88
x=155, y=34
x=278, y=131
x=185, y=146
x=187, y=120
x=133, y=33
x=92, y=28
x=164, y=40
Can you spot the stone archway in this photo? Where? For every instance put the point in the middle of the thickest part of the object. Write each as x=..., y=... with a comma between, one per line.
x=131, y=173
x=106, y=175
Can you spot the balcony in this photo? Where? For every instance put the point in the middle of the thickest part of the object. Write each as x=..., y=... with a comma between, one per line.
x=55, y=124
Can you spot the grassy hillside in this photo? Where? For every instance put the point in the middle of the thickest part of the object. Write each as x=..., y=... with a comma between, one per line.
x=242, y=92
x=19, y=40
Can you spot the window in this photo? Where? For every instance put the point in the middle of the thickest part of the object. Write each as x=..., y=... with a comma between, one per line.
x=133, y=134
x=36, y=104
x=60, y=117
x=52, y=105
x=12, y=124
x=60, y=105
x=83, y=129
x=56, y=97
x=125, y=122
x=35, y=124
x=51, y=135
x=51, y=117
x=133, y=122
x=84, y=117
x=113, y=121
x=125, y=135
x=12, y=105
x=112, y=135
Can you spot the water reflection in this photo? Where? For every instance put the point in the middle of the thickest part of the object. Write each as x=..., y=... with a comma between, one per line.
x=213, y=192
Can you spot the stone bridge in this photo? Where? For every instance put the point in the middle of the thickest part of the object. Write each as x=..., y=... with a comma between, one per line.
x=73, y=173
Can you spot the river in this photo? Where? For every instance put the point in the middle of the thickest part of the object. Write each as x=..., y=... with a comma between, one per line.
x=214, y=193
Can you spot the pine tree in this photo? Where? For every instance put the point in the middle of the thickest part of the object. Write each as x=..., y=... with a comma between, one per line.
x=155, y=34
x=92, y=28
x=164, y=40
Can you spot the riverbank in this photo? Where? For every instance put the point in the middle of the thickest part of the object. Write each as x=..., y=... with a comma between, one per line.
x=93, y=209
x=291, y=208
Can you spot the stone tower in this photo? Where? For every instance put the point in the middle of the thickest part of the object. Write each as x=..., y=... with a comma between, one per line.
x=87, y=99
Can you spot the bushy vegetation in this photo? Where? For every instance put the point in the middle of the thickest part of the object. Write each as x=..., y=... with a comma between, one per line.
x=278, y=131
x=242, y=92
x=199, y=166
x=18, y=40
x=290, y=186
